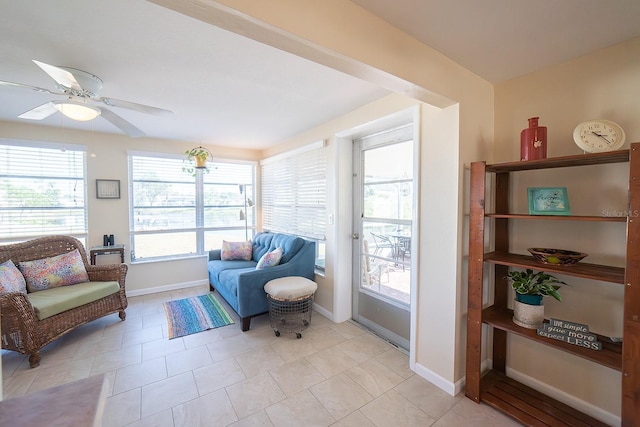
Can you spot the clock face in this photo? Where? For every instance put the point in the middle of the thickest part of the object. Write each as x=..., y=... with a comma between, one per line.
x=597, y=136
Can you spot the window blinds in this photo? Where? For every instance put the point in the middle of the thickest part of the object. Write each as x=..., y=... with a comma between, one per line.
x=294, y=193
x=42, y=191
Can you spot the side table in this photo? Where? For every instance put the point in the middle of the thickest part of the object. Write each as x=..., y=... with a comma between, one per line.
x=106, y=250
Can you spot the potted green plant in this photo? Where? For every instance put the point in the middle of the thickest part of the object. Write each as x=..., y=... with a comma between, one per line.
x=530, y=288
x=196, y=159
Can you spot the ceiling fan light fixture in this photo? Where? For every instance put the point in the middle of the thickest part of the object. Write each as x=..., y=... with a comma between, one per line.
x=77, y=110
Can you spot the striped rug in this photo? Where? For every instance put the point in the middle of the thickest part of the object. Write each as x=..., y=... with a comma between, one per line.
x=195, y=314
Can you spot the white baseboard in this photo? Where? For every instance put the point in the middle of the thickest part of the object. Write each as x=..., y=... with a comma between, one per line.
x=445, y=385
x=435, y=379
x=165, y=288
x=326, y=313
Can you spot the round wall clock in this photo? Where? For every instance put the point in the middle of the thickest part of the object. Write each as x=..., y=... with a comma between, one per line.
x=596, y=136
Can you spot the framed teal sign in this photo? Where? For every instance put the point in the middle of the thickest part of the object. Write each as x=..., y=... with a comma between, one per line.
x=548, y=201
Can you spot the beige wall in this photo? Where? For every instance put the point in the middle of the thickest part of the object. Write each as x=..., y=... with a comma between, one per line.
x=606, y=85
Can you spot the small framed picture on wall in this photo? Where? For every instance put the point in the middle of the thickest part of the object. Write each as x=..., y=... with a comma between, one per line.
x=108, y=188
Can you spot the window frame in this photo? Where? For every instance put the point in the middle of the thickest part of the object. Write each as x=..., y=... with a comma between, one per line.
x=199, y=207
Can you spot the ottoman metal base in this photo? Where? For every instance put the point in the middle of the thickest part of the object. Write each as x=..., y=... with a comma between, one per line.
x=290, y=315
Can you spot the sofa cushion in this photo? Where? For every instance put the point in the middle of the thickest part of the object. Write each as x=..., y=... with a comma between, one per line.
x=261, y=245
x=290, y=246
x=11, y=280
x=267, y=242
x=270, y=259
x=53, y=301
x=216, y=267
x=60, y=270
x=236, y=250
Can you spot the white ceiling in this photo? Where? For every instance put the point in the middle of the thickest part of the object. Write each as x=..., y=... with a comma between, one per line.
x=228, y=90
x=224, y=89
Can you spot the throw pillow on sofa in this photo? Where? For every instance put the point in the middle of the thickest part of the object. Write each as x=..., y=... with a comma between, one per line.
x=236, y=251
x=61, y=270
x=11, y=280
x=270, y=259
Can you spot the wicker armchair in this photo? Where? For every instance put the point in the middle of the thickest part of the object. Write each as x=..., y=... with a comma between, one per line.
x=21, y=329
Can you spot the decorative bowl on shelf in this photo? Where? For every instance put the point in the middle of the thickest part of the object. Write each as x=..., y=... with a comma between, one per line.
x=556, y=256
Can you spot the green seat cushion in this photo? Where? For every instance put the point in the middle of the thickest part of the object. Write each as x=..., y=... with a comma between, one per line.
x=53, y=301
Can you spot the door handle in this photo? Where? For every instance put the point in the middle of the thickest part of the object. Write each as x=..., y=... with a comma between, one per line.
x=355, y=236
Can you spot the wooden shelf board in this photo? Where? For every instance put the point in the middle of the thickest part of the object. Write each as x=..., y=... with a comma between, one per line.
x=610, y=355
x=580, y=269
x=529, y=406
x=619, y=156
x=560, y=217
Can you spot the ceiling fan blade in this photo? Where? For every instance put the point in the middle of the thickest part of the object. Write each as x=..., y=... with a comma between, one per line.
x=41, y=112
x=36, y=88
x=137, y=107
x=120, y=123
x=62, y=77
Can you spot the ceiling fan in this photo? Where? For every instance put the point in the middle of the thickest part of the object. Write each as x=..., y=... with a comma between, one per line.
x=81, y=90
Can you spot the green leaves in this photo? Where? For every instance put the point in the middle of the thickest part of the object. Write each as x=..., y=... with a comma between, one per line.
x=530, y=283
x=196, y=159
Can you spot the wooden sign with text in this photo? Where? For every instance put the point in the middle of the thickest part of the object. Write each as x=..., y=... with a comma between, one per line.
x=570, y=332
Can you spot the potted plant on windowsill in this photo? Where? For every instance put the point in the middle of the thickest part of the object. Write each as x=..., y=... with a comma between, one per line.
x=530, y=288
x=196, y=159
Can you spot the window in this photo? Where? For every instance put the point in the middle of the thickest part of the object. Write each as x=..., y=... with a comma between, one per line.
x=294, y=195
x=174, y=214
x=42, y=191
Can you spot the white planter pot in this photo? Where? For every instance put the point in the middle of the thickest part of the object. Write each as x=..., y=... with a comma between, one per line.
x=528, y=316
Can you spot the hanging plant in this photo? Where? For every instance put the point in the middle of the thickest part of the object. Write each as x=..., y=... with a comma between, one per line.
x=196, y=159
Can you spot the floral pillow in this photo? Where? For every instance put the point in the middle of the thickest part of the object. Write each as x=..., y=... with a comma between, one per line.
x=270, y=259
x=11, y=280
x=60, y=270
x=236, y=250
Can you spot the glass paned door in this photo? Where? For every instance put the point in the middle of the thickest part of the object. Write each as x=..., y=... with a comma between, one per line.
x=383, y=217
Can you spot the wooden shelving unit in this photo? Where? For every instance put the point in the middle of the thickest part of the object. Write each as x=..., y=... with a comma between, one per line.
x=494, y=387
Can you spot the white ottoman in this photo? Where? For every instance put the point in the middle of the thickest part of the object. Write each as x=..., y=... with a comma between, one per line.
x=290, y=303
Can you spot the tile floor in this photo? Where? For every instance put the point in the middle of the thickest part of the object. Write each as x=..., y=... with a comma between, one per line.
x=336, y=375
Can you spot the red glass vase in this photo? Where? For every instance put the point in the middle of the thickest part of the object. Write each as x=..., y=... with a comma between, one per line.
x=533, y=141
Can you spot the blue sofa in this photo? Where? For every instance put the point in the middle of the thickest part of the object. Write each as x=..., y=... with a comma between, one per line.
x=242, y=286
